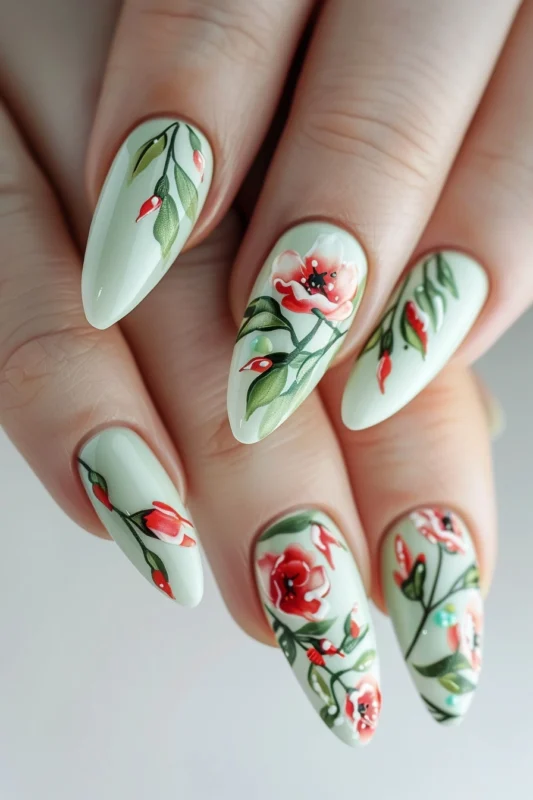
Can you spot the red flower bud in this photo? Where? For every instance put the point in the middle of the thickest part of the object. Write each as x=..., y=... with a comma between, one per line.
x=258, y=364
x=418, y=323
x=329, y=649
x=315, y=657
x=102, y=496
x=162, y=583
x=152, y=204
x=199, y=162
x=355, y=628
x=384, y=370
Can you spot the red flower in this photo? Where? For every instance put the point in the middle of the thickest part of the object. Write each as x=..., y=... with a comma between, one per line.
x=355, y=628
x=465, y=636
x=439, y=527
x=294, y=584
x=322, y=648
x=321, y=280
x=162, y=583
x=165, y=523
x=315, y=657
x=323, y=540
x=152, y=204
x=328, y=648
x=363, y=706
x=384, y=370
x=418, y=322
x=199, y=162
x=258, y=364
x=101, y=495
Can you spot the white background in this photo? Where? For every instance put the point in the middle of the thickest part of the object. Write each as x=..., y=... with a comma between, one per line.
x=109, y=691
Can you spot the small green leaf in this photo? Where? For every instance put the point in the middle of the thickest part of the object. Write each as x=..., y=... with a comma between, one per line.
x=167, y=225
x=263, y=321
x=444, y=666
x=374, y=339
x=162, y=187
x=326, y=717
x=263, y=303
x=410, y=336
x=155, y=563
x=315, y=628
x=294, y=524
x=288, y=646
x=146, y=154
x=194, y=139
x=308, y=366
x=413, y=586
x=299, y=359
x=445, y=275
x=456, y=683
x=350, y=644
x=319, y=685
x=187, y=192
x=471, y=579
x=365, y=661
x=264, y=389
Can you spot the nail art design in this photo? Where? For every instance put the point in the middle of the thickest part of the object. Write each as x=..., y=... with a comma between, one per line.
x=316, y=605
x=431, y=583
x=428, y=317
x=125, y=482
x=149, y=204
x=301, y=308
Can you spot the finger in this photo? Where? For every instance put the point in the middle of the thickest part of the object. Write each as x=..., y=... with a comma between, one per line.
x=295, y=481
x=423, y=487
x=484, y=211
x=381, y=131
x=197, y=68
x=62, y=384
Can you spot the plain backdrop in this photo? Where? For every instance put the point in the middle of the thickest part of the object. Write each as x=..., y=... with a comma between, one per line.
x=109, y=691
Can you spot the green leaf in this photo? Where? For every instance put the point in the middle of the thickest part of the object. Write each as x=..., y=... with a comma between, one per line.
x=299, y=359
x=456, y=683
x=264, y=389
x=445, y=275
x=97, y=480
x=350, y=644
x=409, y=334
x=294, y=524
x=322, y=688
x=444, y=666
x=263, y=303
x=155, y=563
x=471, y=578
x=194, y=139
x=263, y=321
x=187, y=192
x=308, y=366
x=167, y=225
x=162, y=187
x=146, y=154
x=413, y=586
x=326, y=717
x=315, y=628
x=365, y=661
x=374, y=339
x=288, y=646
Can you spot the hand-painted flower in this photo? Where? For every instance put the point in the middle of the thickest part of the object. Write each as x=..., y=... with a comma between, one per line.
x=466, y=635
x=418, y=322
x=315, y=657
x=355, y=627
x=321, y=648
x=322, y=280
x=258, y=364
x=101, y=495
x=439, y=527
x=384, y=370
x=328, y=648
x=166, y=524
x=363, y=706
x=294, y=584
x=152, y=204
x=323, y=541
x=199, y=162
x=162, y=583
x=404, y=559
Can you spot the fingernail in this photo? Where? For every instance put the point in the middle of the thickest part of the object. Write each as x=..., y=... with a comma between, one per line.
x=431, y=584
x=141, y=509
x=301, y=307
x=149, y=204
x=429, y=315
x=316, y=604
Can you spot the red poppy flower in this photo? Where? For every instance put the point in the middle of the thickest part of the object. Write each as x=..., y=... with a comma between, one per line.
x=162, y=583
x=294, y=584
x=321, y=280
x=165, y=523
x=466, y=635
x=152, y=204
x=323, y=541
x=439, y=527
x=384, y=370
x=363, y=706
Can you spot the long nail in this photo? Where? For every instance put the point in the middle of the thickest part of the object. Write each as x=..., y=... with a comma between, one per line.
x=300, y=310
x=431, y=584
x=427, y=318
x=149, y=204
x=316, y=604
x=141, y=509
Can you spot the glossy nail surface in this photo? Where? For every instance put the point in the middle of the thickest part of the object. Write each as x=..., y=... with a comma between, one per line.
x=301, y=307
x=148, y=206
x=431, y=584
x=316, y=604
x=429, y=315
x=141, y=509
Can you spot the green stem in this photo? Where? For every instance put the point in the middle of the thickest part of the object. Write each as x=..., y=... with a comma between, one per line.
x=428, y=608
x=170, y=150
x=456, y=587
x=302, y=344
x=396, y=305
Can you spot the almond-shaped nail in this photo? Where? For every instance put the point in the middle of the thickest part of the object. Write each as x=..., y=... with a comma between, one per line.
x=149, y=204
x=316, y=604
x=141, y=509
x=300, y=310
x=431, y=583
x=427, y=318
